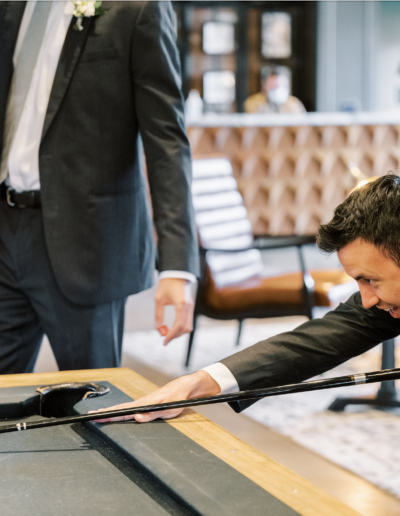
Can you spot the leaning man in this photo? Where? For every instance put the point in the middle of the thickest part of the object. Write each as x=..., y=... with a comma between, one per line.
x=365, y=233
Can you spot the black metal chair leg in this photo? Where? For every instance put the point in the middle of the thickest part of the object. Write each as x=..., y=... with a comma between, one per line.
x=239, y=332
x=308, y=286
x=190, y=343
x=386, y=396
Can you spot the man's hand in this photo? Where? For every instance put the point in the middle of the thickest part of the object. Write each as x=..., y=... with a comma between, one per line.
x=176, y=292
x=194, y=385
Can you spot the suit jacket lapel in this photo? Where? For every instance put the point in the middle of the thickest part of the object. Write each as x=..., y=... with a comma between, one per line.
x=72, y=49
x=10, y=19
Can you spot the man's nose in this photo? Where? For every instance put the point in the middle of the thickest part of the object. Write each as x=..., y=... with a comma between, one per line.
x=368, y=296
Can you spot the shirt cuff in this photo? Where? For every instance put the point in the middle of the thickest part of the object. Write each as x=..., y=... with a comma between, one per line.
x=178, y=274
x=224, y=378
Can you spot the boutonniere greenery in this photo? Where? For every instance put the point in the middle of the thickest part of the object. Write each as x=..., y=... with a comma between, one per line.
x=86, y=10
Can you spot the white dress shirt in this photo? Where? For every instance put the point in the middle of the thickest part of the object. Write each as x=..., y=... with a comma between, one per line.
x=23, y=159
x=224, y=378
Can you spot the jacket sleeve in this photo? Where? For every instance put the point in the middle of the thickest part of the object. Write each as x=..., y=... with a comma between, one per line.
x=159, y=107
x=312, y=348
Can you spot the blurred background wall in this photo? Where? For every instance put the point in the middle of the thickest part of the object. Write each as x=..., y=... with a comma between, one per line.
x=303, y=98
x=343, y=56
x=244, y=57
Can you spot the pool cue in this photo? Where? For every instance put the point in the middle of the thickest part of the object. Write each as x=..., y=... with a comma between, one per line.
x=254, y=394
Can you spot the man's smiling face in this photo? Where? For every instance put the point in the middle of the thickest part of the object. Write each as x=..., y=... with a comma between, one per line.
x=378, y=277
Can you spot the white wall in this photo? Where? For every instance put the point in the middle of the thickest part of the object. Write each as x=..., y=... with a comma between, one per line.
x=346, y=54
x=387, y=76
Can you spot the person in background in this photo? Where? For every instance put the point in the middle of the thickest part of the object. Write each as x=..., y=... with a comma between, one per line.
x=274, y=96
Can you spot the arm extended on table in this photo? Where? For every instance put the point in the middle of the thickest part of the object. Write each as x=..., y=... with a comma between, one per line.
x=312, y=348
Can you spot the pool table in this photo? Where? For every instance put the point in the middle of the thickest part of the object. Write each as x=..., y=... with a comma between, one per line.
x=186, y=466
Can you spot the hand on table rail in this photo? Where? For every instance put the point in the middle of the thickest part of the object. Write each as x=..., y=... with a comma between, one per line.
x=194, y=385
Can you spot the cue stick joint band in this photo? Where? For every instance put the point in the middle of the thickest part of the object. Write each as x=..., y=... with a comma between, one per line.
x=359, y=378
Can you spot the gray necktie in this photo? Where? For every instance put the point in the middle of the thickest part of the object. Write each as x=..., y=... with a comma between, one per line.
x=22, y=77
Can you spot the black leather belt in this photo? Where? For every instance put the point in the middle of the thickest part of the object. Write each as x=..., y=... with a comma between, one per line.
x=27, y=199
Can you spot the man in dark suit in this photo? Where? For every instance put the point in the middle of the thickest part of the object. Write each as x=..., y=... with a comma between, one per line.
x=76, y=236
x=365, y=233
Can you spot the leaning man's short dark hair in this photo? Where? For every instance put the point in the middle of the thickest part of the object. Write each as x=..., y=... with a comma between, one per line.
x=371, y=213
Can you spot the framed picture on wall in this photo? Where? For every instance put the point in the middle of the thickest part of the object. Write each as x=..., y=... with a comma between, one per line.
x=219, y=87
x=276, y=35
x=218, y=38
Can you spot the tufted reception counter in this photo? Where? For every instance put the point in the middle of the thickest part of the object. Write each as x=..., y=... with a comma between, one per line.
x=293, y=170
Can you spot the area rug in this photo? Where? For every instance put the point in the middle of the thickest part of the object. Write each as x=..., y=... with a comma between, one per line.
x=364, y=441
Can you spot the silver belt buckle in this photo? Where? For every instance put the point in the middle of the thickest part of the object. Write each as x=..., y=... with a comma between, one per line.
x=8, y=197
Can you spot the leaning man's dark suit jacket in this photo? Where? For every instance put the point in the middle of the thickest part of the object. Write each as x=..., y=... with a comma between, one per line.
x=312, y=348
x=118, y=76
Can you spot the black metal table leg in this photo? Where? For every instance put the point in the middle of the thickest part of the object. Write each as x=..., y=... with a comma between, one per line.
x=386, y=396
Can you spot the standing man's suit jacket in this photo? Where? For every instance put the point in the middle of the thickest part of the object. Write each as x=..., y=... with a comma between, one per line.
x=119, y=75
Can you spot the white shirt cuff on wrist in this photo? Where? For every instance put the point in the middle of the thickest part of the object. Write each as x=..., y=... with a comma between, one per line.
x=178, y=274
x=222, y=375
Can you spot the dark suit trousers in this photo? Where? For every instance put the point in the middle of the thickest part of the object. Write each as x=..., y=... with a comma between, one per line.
x=31, y=305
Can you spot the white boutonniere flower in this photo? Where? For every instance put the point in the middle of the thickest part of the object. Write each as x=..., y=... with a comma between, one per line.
x=86, y=10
